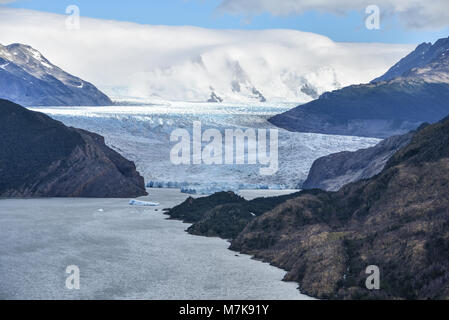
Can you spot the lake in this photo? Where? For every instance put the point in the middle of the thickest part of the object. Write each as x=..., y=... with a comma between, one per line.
x=123, y=252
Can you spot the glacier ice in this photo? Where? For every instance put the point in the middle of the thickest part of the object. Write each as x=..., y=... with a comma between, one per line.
x=142, y=134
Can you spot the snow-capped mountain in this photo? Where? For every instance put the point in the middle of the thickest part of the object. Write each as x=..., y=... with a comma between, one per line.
x=219, y=77
x=28, y=78
x=428, y=62
x=184, y=63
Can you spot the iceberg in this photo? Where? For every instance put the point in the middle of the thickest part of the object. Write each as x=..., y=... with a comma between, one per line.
x=143, y=203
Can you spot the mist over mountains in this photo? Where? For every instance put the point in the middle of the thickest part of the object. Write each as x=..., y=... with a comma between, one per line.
x=127, y=60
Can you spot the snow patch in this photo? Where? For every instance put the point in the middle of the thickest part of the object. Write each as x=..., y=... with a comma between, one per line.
x=45, y=64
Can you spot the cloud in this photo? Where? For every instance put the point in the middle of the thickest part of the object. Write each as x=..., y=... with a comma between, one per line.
x=183, y=63
x=414, y=14
x=7, y=1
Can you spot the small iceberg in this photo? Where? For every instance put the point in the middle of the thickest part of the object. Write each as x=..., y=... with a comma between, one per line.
x=143, y=203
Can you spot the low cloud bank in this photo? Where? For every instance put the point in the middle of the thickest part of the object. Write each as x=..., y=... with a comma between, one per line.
x=196, y=64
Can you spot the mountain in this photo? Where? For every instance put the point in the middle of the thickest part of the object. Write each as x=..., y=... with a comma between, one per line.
x=338, y=169
x=41, y=157
x=396, y=220
x=422, y=62
x=28, y=78
x=414, y=91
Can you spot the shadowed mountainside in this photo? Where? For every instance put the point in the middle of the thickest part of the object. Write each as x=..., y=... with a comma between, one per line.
x=41, y=157
x=332, y=172
x=376, y=110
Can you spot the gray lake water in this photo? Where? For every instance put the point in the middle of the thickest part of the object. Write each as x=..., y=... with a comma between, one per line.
x=123, y=252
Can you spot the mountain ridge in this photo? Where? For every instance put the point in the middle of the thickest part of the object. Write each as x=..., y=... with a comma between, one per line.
x=28, y=78
x=425, y=54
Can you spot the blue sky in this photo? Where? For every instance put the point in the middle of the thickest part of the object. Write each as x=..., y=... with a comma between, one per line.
x=206, y=13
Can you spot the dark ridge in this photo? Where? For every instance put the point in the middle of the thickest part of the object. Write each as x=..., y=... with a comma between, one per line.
x=41, y=157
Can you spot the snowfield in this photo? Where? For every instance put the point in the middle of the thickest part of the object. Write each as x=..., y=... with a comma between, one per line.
x=142, y=134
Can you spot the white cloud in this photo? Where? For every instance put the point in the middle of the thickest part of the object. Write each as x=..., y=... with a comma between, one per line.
x=416, y=14
x=182, y=63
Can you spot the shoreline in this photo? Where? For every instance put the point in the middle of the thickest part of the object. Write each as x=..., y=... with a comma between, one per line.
x=250, y=254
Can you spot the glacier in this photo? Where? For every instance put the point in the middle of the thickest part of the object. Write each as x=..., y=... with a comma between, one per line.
x=142, y=134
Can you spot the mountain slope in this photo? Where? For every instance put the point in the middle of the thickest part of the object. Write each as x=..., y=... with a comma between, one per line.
x=28, y=78
x=417, y=91
x=332, y=172
x=397, y=220
x=41, y=157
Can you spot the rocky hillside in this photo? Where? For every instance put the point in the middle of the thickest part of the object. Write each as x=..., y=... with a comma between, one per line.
x=336, y=170
x=414, y=91
x=223, y=214
x=41, y=157
x=29, y=79
x=396, y=220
